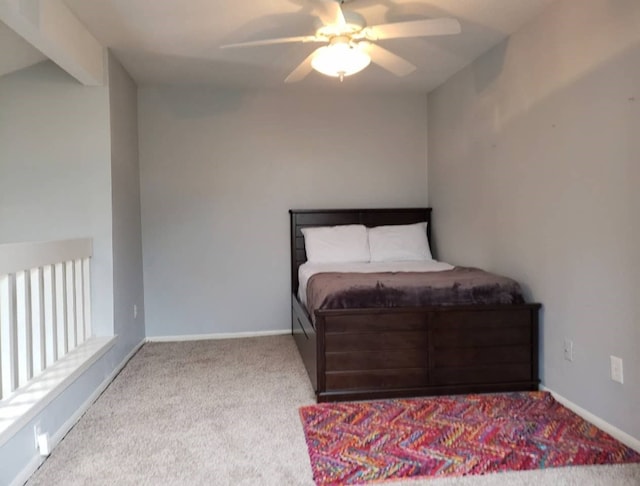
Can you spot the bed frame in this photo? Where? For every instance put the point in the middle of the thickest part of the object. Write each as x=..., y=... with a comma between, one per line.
x=401, y=352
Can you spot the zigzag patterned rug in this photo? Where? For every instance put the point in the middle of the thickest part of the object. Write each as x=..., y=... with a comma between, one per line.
x=359, y=442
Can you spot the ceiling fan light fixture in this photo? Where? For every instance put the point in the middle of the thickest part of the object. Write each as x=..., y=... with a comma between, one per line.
x=340, y=59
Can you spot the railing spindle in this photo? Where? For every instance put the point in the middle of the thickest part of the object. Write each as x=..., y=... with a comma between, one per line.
x=86, y=271
x=79, y=290
x=8, y=368
x=23, y=328
x=71, y=306
x=50, y=326
x=61, y=309
x=37, y=321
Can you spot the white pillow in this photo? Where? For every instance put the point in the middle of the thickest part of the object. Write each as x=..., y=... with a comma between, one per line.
x=336, y=244
x=396, y=243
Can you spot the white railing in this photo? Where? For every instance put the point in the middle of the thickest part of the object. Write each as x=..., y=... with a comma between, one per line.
x=45, y=307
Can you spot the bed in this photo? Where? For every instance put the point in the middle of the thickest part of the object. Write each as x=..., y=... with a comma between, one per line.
x=367, y=353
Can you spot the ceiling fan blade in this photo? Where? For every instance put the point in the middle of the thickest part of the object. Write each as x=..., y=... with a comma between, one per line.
x=330, y=12
x=387, y=59
x=415, y=28
x=279, y=40
x=302, y=71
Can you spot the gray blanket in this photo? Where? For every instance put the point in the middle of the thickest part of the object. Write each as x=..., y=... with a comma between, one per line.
x=460, y=286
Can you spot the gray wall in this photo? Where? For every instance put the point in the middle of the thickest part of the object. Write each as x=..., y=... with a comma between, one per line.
x=219, y=171
x=55, y=169
x=125, y=184
x=62, y=146
x=533, y=172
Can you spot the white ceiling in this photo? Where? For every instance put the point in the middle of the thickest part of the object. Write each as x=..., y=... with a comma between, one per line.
x=16, y=53
x=177, y=41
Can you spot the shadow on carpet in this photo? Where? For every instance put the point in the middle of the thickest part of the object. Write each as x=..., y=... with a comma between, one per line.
x=359, y=442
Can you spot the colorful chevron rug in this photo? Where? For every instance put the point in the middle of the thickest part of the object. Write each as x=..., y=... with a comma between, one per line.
x=359, y=442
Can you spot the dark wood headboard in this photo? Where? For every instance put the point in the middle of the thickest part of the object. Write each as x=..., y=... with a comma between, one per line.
x=301, y=218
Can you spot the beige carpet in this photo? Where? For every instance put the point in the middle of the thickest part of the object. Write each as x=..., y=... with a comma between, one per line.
x=225, y=413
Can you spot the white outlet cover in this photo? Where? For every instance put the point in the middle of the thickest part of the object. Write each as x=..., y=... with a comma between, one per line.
x=616, y=369
x=568, y=349
x=36, y=434
x=43, y=444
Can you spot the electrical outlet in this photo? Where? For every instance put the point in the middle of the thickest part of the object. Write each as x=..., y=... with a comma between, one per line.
x=135, y=311
x=44, y=447
x=568, y=349
x=616, y=369
x=41, y=440
x=36, y=434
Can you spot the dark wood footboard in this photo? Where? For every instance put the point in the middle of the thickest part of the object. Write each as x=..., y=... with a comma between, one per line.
x=383, y=353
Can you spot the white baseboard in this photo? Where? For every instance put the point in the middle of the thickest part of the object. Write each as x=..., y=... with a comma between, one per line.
x=228, y=335
x=66, y=427
x=35, y=463
x=612, y=430
x=29, y=469
x=21, y=407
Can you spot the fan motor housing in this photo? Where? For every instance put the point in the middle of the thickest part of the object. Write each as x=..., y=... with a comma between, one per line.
x=354, y=24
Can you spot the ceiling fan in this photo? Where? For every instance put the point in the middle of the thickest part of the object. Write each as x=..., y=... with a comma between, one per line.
x=350, y=43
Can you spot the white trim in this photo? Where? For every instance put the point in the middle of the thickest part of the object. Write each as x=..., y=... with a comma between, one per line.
x=20, y=408
x=224, y=335
x=53, y=29
x=66, y=427
x=16, y=257
x=28, y=470
x=612, y=430
x=35, y=463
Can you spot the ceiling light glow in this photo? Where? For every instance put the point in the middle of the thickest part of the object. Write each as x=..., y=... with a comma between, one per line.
x=340, y=59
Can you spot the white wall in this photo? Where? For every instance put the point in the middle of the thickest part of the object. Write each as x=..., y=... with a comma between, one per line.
x=219, y=171
x=125, y=184
x=533, y=171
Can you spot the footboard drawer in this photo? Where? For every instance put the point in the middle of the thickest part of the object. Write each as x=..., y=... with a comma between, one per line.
x=376, y=379
x=379, y=351
x=478, y=347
